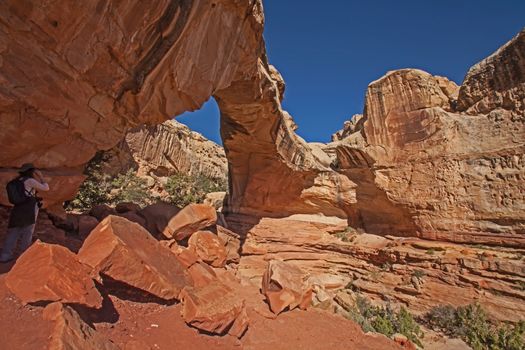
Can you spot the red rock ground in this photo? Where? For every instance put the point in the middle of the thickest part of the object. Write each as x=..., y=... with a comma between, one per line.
x=137, y=325
x=155, y=326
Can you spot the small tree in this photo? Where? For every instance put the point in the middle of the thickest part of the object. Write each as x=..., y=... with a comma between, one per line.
x=129, y=187
x=185, y=189
x=471, y=324
x=385, y=320
x=95, y=188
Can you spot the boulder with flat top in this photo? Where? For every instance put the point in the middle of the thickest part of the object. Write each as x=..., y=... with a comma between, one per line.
x=125, y=252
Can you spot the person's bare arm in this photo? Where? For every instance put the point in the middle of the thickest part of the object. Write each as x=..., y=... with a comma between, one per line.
x=38, y=182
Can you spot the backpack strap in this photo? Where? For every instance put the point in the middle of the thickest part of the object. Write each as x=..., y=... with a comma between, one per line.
x=23, y=179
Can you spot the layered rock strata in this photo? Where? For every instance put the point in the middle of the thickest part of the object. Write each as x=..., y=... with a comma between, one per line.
x=167, y=149
x=418, y=274
x=440, y=161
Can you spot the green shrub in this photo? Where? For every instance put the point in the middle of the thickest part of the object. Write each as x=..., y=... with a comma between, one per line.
x=129, y=187
x=385, y=320
x=96, y=187
x=418, y=273
x=441, y=317
x=471, y=324
x=99, y=188
x=185, y=189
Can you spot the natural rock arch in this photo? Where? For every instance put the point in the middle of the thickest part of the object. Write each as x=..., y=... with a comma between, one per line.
x=77, y=75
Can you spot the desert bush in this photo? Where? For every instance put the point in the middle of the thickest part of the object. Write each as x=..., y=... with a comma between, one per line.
x=100, y=188
x=185, y=189
x=471, y=324
x=418, y=273
x=95, y=188
x=128, y=187
x=385, y=320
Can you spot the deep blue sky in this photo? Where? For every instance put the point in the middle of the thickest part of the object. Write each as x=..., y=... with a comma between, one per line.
x=329, y=51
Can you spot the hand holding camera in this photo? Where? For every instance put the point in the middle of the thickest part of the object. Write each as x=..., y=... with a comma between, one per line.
x=38, y=176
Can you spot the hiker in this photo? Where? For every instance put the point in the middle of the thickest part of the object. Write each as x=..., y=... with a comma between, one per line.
x=22, y=192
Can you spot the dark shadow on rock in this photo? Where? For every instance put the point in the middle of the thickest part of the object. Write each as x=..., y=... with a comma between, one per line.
x=124, y=291
x=241, y=225
x=106, y=314
x=6, y=267
x=374, y=211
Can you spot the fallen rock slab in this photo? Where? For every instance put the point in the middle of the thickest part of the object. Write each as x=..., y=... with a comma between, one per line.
x=86, y=224
x=157, y=216
x=71, y=333
x=232, y=243
x=48, y=273
x=209, y=248
x=134, y=217
x=284, y=286
x=201, y=274
x=102, y=211
x=215, y=308
x=125, y=207
x=127, y=253
x=189, y=220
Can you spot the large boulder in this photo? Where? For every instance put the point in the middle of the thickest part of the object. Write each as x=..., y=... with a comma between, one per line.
x=101, y=211
x=192, y=218
x=125, y=252
x=86, y=224
x=232, y=243
x=215, y=308
x=202, y=274
x=284, y=286
x=71, y=333
x=125, y=207
x=49, y=272
x=134, y=217
x=157, y=216
x=209, y=248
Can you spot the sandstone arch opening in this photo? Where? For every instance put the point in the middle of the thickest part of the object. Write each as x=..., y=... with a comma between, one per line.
x=205, y=120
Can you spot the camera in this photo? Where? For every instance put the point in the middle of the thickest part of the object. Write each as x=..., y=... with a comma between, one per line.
x=39, y=201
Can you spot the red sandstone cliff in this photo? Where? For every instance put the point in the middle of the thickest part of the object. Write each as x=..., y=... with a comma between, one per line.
x=443, y=161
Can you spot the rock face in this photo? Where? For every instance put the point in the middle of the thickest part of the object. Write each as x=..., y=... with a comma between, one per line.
x=284, y=286
x=351, y=126
x=192, y=218
x=125, y=252
x=418, y=274
x=439, y=161
x=70, y=332
x=215, y=308
x=48, y=273
x=209, y=248
x=166, y=149
x=497, y=81
x=86, y=80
